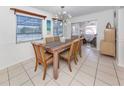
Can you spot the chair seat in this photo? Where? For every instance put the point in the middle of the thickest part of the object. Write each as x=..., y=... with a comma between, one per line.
x=48, y=57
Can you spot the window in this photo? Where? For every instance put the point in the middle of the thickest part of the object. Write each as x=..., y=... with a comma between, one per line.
x=57, y=28
x=28, y=28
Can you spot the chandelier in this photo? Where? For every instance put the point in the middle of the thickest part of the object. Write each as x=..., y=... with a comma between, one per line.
x=63, y=15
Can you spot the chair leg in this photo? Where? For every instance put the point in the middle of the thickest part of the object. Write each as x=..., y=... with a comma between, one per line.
x=75, y=60
x=76, y=57
x=69, y=65
x=36, y=65
x=44, y=73
x=80, y=52
x=80, y=55
x=58, y=65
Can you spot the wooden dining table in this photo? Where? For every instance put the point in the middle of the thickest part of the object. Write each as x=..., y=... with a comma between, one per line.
x=55, y=48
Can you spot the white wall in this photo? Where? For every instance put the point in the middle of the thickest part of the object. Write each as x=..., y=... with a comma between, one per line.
x=67, y=30
x=10, y=52
x=76, y=31
x=102, y=18
x=120, y=37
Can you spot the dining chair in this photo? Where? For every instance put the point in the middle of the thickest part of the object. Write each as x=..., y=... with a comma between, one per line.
x=69, y=54
x=77, y=49
x=42, y=57
x=49, y=39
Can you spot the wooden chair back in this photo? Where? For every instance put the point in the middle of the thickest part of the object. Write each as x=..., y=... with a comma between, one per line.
x=39, y=53
x=71, y=50
x=74, y=47
x=49, y=39
x=56, y=38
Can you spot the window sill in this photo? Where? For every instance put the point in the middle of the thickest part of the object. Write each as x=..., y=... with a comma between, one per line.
x=21, y=42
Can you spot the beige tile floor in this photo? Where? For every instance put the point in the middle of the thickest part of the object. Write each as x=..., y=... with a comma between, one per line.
x=92, y=69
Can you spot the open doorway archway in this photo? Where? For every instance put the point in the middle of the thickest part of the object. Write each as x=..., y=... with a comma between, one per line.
x=87, y=29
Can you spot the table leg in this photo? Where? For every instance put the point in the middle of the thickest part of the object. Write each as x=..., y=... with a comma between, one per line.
x=55, y=65
x=80, y=49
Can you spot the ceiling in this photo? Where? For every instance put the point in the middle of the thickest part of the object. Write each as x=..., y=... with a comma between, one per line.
x=75, y=10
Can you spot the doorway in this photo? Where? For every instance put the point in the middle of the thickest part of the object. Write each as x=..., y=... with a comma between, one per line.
x=88, y=30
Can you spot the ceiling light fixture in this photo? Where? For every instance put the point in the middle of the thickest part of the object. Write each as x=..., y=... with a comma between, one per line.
x=63, y=15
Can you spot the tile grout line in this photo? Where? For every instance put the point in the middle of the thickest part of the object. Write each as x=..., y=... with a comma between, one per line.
x=55, y=82
x=96, y=70
x=109, y=74
x=78, y=70
x=36, y=75
x=8, y=76
x=104, y=81
x=116, y=73
x=87, y=73
x=72, y=78
x=98, y=78
x=80, y=82
x=51, y=80
x=28, y=75
x=88, y=67
x=24, y=83
x=109, y=68
x=48, y=80
x=16, y=75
